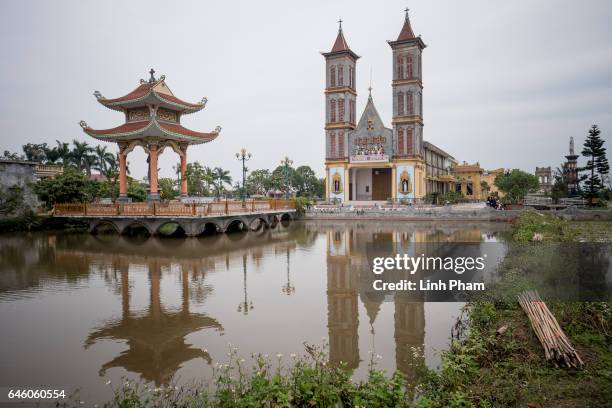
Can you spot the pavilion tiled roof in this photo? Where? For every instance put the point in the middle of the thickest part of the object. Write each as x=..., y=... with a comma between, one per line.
x=146, y=92
x=151, y=128
x=178, y=129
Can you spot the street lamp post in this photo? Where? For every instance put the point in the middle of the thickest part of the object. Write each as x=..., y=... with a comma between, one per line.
x=244, y=157
x=286, y=162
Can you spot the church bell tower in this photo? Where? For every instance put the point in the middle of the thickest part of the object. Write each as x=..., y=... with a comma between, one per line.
x=407, y=93
x=340, y=113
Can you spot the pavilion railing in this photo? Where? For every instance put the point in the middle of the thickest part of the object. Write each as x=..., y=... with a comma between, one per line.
x=218, y=208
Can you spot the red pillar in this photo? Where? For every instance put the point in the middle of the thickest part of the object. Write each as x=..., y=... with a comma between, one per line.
x=122, y=176
x=153, y=194
x=184, y=173
x=122, y=172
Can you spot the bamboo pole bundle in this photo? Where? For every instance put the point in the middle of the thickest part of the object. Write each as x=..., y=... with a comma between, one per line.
x=557, y=346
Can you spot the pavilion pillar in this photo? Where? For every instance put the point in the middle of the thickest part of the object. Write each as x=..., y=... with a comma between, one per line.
x=153, y=193
x=184, y=173
x=122, y=175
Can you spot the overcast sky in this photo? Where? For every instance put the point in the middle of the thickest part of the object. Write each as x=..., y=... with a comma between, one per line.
x=506, y=83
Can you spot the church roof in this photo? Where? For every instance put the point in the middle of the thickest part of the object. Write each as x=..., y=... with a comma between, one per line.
x=153, y=92
x=370, y=113
x=150, y=128
x=340, y=45
x=406, y=35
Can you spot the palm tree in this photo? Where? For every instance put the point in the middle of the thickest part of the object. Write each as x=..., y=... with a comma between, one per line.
x=63, y=151
x=222, y=177
x=81, y=156
x=105, y=161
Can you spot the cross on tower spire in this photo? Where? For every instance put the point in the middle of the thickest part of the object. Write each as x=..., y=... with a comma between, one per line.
x=340, y=24
x=407, y=10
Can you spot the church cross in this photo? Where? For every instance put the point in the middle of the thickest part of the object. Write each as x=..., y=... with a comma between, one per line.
x=340, y=23
x=152, y=79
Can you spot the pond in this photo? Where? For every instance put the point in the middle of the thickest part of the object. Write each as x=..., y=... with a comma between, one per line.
x=78, y=310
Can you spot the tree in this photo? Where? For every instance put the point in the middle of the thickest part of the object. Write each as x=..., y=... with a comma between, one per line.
x=597, y=164
x=81, y=156
x=69, y=187
x=559, y=187
x=8, y=155
x=199, y=179
x=516, y=184
x=105, y=162
x=167, y=188
x=221, y=178
x=305, y=181
x=35, y=152
x=259, y=182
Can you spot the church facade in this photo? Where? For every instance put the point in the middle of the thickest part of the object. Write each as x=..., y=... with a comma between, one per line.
x=365, y=160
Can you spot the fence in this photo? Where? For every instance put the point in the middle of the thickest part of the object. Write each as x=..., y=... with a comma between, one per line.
x=218, y=208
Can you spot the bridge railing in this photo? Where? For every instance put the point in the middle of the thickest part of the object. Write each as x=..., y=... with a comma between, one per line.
x=218, y=208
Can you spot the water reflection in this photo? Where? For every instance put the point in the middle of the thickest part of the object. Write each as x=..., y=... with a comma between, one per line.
x=163, y=309
x=156, y=338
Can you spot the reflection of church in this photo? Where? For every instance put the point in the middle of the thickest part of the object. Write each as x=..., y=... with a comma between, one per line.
x=346, y=278
x=365, y=160
x=349, y=281
x=156, y=338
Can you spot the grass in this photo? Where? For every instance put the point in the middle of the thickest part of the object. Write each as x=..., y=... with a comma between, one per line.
x=489, y=367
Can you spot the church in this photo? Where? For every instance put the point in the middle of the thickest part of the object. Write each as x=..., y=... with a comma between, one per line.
x=365, y=160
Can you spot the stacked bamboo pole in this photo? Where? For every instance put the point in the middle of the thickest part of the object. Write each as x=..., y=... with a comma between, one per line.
x=557, y=346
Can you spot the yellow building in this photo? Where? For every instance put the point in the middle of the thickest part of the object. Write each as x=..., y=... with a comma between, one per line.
x=474, y=182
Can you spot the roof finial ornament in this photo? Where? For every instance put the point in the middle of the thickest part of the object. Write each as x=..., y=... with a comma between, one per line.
x=152, y=72
x=340, y=25
x=407, y=10
x=370, y=87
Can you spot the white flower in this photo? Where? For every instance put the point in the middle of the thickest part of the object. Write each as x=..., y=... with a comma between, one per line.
x=108, y=382
x=293, y=355
x=205, y=350
x=378, y=356
x=279, y=355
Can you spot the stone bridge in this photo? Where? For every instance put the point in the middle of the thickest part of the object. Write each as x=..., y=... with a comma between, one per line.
x=193, y=219
x=192, y=226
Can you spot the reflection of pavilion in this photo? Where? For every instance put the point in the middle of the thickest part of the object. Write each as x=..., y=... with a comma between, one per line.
x=156, y=340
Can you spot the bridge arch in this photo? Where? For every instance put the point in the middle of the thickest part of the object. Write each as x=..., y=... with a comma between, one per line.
x=236, y=224
x=94, y=227
x=258, y=223
x=209, y=228
x=163, y=228
x=137, y=224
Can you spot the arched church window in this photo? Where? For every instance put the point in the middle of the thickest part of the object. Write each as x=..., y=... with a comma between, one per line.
x=332, y=145
x=351, y=77
x=332, y=76
x=400, y=141
x=332, y=110
x=340, y=110
x=400, y=67
x=340, y=144
x=400, y=104
x=409, y=66
x=410, y=99
x=340, y=75
x=410, y=141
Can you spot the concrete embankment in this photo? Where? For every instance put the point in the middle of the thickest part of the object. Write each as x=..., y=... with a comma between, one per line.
x=447, y=213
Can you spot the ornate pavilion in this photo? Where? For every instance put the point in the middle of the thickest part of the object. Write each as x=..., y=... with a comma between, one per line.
x=153, y=121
